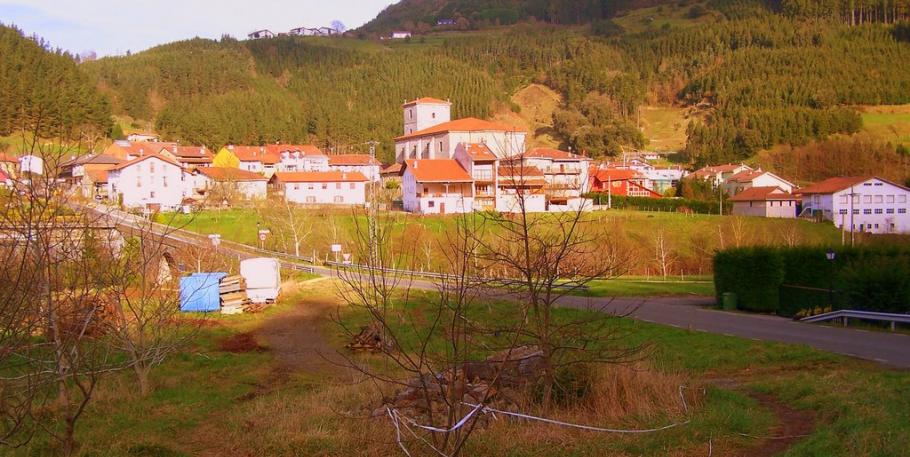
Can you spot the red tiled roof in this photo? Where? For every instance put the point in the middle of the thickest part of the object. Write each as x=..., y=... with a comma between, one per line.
x=745, y=176
x=230, y=174
x=520, y=174
x=550, y=153
x=427, y=100
x=393, y=169
x=97, y=175
x=614, y=174
x=188, y=152
x=320, y=176
x=3, y=176
x=255, y=154
x=437, y=170
x=307, y=149
x=140, y=159
x=479, y=151
x=713, y=169
x=468, y=124
x=352, y=159
x=831, y=185
x=8, y=158
x=763, y=193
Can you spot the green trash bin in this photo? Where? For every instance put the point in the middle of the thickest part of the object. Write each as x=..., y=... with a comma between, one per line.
x=728, y=301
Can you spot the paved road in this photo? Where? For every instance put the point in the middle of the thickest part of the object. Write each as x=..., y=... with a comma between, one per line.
x=689, y=312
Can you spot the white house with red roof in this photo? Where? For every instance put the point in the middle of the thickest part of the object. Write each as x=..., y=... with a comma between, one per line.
x=305, y=157
x=859, y=203
x=717, y=175
x=257, y=159
x=566, y=174
x=481, y=165
x=746, y=179
x=436, y=186
x=429, y=134
x=360, y=163
x=231, y=181
x=520, y=187
x=152, y=181
x=322, y=187
x=768, y=201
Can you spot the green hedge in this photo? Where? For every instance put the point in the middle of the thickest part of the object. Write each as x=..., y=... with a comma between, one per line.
x=790, y=281
x=656, y=204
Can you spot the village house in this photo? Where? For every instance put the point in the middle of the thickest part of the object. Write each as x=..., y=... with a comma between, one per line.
x=400, y=35
x=153, y=182
x=299, y=157
x=717, y=175
x=258, y=34
x=664, y=180
x=9, y=165
x=89, y=173
x=361, y=163
x=322, y=187
x=436, y=186
x=230, y=183
x=257, y=159
x=621, y=182
x=520, y=187
x=755, y=178
x=144, y=137
x=481, y=165
x=565, y=173
x=189, y=157
x=429, y=134
x=770, y=201
x=859, y=203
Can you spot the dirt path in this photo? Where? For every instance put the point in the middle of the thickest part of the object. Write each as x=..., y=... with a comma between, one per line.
x=792, y=426
x=296, y=338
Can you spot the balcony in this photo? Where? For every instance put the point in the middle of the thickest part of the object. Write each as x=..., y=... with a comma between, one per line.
x=484, y=175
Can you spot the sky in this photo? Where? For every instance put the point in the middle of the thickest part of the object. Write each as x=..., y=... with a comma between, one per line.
x=111, y=27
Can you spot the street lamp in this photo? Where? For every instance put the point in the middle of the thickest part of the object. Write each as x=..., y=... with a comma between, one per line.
x=831, y=255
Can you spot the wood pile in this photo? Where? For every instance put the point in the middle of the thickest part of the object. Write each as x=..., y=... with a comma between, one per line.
x=233, y=295
x=497, y=380
x=369, y=339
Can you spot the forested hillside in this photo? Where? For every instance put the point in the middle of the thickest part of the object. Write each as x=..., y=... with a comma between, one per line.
x=758, y=74
x=43, y=88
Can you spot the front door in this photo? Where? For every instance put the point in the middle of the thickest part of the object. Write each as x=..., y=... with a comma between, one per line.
x=442, y=207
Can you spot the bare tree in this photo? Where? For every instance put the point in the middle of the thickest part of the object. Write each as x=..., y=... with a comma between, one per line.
x=144, y=322
x=58, y=302
x=290, y=226
x=664, y=256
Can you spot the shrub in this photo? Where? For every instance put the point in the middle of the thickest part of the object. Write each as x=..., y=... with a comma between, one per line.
x=655, y=204
x=795, y=281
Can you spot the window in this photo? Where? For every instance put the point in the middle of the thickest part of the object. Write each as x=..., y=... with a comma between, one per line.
x=902, y=199
x=843, y=199
x=867, y=184
x=867, y=199
x=856, y=199
x=296, y=186
x=876, y=226
x=325, y=186
x=338, y=186
x=152, y=194
x=311, y=199
x=151, y=167
x=878, y=210
x=889, y=199
x=431, y=204
x=433, y=115
x=879, y=199
x=890, y=210
x=410, y=114
x=338, y=199
x=311, y=186
x=440, y=145
x=867, y=211
x=902, y=211
x=138, y=181
x=878, y=184
x=856, y=211
x=353, y=186
x=843, y=211
x=164, y=181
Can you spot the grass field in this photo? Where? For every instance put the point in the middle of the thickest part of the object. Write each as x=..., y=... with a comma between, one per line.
x=669, y=15
x=890, y=123
x=664, y=127
x=212, y=402
x=691, y=238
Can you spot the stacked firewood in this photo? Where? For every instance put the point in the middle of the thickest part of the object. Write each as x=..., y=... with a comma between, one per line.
x=369, y=339
x=233, y=295
x=497, y=381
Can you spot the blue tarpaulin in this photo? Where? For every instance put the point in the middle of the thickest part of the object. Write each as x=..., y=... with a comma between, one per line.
x=199, y=293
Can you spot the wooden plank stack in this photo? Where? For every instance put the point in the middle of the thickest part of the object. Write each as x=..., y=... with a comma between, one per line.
x=233, y=295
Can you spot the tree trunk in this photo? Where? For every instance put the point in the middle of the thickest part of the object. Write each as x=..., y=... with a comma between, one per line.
x=142, y=378
x=69, y=438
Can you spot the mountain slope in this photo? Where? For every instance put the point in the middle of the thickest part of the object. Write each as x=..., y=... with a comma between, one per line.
x=42, y=89
x=750, y=77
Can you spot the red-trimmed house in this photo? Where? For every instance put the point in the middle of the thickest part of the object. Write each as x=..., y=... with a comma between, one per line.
x=625, y=183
